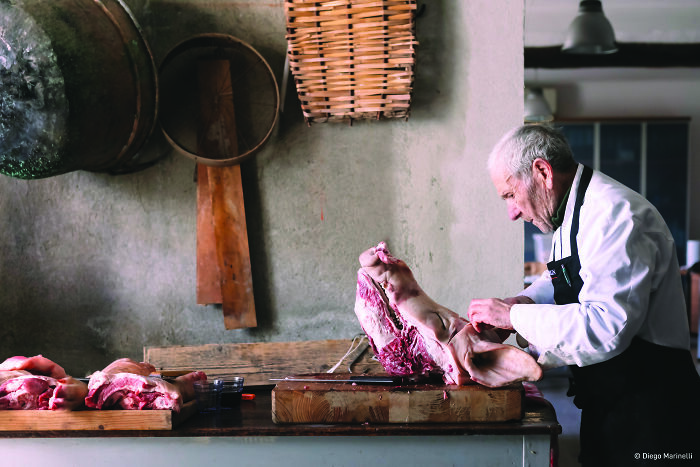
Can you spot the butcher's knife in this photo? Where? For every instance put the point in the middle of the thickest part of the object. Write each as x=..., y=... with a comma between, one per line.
x=365, y=379
x=358, y=379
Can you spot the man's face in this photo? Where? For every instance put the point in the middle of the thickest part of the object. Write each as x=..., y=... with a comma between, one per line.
x=525, y=199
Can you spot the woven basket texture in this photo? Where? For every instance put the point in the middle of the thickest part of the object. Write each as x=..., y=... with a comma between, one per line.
x=352, y=59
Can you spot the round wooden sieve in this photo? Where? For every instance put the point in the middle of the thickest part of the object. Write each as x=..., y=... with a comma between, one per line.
x=253, y=89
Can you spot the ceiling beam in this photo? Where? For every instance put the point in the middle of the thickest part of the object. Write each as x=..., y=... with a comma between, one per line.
x=638, y=55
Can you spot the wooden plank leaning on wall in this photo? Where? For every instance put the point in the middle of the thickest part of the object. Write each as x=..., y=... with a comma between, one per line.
x=258, y=362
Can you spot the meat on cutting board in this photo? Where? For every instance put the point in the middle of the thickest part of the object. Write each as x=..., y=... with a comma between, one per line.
x=412, y=335
x=37, y=365
x=38, y=383
x=127, y=384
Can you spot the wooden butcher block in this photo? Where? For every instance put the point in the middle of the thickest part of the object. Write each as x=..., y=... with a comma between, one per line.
x=92, y=419
x=343, y=402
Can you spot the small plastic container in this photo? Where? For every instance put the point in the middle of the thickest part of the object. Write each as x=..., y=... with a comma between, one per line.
x=208, y=394
x=231, y=392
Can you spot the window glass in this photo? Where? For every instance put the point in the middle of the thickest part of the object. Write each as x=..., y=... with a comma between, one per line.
x=667, y=172
x=620, y=152
x=580, y=137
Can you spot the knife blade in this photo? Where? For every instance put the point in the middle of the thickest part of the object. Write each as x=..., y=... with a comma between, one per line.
x=360, y=379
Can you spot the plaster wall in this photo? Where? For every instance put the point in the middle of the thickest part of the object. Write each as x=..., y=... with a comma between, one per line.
x=93, y=266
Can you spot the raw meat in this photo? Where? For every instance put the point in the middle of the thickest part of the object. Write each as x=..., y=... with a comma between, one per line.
x=37, y=365
x=69, y=394
x=412, y=335
x=129, y=385
x=23, y=390
x=38, y=383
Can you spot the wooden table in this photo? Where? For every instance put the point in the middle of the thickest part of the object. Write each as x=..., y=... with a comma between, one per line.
x=248, y=436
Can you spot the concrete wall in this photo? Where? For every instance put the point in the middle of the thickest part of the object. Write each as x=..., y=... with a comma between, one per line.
x=95, y=266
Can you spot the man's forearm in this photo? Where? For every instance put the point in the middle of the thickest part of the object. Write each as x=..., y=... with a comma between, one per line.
x=519, y=300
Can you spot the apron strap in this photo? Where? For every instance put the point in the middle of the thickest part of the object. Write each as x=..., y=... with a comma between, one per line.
x=582, y=186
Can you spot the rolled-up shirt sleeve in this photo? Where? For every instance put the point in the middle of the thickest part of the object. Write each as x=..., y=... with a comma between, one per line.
x=541, y=290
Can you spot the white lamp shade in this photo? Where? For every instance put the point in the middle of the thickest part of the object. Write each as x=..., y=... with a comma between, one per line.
x=536, y=108
x=590, y=32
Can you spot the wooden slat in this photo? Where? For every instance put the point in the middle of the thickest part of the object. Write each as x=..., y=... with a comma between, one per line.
x=62, y=420
x=208, y=276
x=258, y=362
x=233, y=254
x=217, y=136
x=638, y=55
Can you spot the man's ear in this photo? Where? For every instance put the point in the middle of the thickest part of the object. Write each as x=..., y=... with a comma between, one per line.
x=542, y=171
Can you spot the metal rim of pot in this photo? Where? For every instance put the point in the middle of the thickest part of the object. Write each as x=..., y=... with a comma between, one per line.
x=219, y=40
x=128, y=162
x=71, y=73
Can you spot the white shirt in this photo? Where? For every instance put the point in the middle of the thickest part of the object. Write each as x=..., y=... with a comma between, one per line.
x=631, y=282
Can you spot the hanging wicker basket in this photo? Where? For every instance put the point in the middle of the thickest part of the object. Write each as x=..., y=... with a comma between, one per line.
x=352, y=59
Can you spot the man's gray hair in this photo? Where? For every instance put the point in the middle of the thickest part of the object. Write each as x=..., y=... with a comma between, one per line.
x=518, y=149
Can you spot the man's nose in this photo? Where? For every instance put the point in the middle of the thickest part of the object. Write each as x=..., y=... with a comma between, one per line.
x=513, y=212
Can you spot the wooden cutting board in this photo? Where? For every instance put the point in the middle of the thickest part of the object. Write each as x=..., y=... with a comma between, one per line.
x=330, y=402
x=88, y=419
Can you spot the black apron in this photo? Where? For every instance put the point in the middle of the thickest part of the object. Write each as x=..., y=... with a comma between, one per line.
x=639, y=404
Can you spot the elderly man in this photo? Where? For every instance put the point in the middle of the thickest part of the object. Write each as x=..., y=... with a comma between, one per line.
x=610, y=305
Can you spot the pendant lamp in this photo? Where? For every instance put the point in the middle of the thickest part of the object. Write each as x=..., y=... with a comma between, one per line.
x=590, y=32
x=537, y=109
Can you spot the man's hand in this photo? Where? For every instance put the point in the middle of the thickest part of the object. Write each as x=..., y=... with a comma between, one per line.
x=490, y=311
x=493, y=312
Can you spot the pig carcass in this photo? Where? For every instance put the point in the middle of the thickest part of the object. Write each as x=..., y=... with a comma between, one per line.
x=130, y=385
x=414, y=336
x=38, y=383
